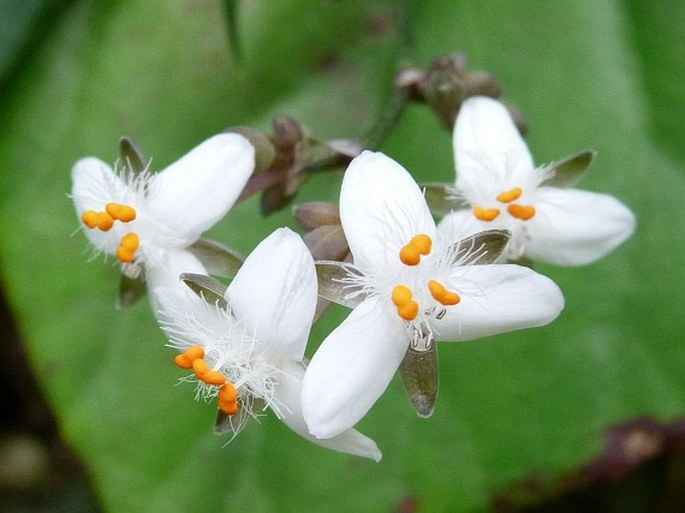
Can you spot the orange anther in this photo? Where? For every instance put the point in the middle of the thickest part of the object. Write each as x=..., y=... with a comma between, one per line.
x=90, y=218
x=408, y=311
x=409, y=255
x=130, y=241
x=419, y=245
x=204, y=373
x=228, y=408
x=406, y=308
x=401, y=294
x=511, y=195
x=123, y=213
x=422, y=243
x=442, y=295
x=228, y=393
x=523, y=212
x=104, y=221
x=485, y=214
x=185, y=360
x=213, y=378
x=228, y=399
x=125, y=255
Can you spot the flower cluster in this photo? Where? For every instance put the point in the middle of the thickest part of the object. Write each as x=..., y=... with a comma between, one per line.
x=409, y=282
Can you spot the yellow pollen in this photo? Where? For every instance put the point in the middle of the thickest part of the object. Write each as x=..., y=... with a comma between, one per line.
x=130, y=241
x=420, y=244
x=228, y=399
x=485, y=214
x=442, y=295
x=509, y=196
x=127, y=247
x=185, y=360
x=123, y=213
x=523, y=212
x=406, y=307
x=401, y=294
x=408, y=311
x=204, y=373
x=101, y=220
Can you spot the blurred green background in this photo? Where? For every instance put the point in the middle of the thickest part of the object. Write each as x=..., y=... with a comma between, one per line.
x=75, y=75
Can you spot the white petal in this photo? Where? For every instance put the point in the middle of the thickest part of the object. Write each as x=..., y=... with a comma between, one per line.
x=573, y=227
x=274, y=293
x=196, y=191
x=381, y=209
x=488, y=147
x=498, y=298
x=165, y=277
x=352, y=368
x=94, y=184
x=289, y=392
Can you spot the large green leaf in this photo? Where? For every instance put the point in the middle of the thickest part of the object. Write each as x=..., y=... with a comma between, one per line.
x=586, y=74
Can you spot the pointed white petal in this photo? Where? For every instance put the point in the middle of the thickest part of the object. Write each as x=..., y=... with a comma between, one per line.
x=195, y=192
x=274, y=293
x=94, y=184
x=288, y=394
x=352, y=368
x=381, y=209
x=498, y=298
x=573, y=227
x=488, y=147
x=164, y=277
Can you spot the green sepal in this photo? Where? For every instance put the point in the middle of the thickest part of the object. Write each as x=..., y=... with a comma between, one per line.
x=480, y=248
x=330, y=274
x=441, y=198
x=217, y=258
x=207, y=288
x=568, y=172
x=419, y=371
x=265, y=153
x=131, y=290
x=327, y=243
x=314, y=214
x=132, y=156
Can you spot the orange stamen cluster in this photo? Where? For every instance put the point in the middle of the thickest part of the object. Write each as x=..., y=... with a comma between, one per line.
x=403, y=297
x=522, y=212
x=104, y=220
x=407, y=308
x=442, y=295
x=194, y=358
x=419, y=245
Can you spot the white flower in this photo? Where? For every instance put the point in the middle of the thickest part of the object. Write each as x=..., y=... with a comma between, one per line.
x=250, y=351
x=498, y=180
x=147, y=220
x=412, y=287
